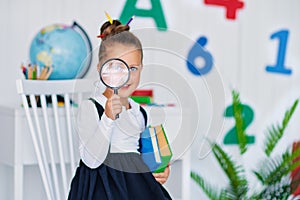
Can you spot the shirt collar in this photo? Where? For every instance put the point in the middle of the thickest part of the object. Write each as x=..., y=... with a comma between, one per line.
x=135, y=107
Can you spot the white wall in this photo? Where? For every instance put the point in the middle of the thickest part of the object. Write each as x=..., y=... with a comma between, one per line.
x=241, y=49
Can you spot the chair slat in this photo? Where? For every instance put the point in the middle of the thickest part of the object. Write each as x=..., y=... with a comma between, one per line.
x=59, y=142
x=37, y=148
x=50, y=146
x=70, y=134
x=40, y=138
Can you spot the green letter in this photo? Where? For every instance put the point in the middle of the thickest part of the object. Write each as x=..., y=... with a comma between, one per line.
x=155, y=12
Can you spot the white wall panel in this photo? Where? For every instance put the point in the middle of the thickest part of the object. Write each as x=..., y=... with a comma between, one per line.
x=241, y=49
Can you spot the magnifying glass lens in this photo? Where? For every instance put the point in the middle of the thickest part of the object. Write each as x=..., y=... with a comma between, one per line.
x=114, y=73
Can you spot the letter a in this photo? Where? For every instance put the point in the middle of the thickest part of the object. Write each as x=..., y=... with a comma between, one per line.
x=156, y=12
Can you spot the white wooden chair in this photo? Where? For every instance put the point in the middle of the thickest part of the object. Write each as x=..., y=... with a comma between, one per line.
x=52, y=128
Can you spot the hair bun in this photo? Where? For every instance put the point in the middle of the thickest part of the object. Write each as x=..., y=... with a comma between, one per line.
x=109, y=29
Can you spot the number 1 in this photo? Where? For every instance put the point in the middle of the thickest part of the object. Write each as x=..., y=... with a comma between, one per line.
x=279, y=66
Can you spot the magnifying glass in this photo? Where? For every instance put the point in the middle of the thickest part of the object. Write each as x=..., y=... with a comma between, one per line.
x=114, y=74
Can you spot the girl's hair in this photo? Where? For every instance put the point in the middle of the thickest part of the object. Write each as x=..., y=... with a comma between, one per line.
x=116, y=33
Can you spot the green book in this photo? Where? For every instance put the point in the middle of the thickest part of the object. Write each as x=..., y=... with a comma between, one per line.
x=142, y=99
x=164, y=148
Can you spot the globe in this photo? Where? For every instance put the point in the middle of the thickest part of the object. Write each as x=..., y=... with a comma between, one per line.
x=66, y=48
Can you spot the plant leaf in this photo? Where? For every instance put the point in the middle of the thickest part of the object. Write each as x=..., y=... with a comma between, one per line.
x=239, y=122
x=273, y=170
x=280, y=190
x=235, y=174
x=207, y=189
x=226, y=195
x=275, y=133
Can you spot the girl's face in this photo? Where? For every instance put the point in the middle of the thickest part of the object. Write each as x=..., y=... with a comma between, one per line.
x=132, y=57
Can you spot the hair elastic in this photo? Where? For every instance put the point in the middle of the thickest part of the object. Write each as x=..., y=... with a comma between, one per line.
x=100, y=36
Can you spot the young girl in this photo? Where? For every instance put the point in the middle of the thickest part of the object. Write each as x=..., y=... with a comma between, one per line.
x=111, y=166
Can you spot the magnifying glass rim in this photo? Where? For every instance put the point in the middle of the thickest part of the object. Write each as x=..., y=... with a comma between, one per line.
x=126, y=67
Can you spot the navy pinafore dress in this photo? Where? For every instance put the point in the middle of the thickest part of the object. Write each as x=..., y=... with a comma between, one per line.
x=122, y=176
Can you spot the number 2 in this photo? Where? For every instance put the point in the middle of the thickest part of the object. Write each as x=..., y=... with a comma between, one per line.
x=248, y=115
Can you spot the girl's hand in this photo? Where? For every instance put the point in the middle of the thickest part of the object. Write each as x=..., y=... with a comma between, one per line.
x=113, y=106
x=163, y=176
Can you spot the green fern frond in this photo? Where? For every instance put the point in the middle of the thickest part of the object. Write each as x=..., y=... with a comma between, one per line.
x=207, y=189
x=273, y=170
x=280, y=190
x=289, y=114
x=255, y=196
x=260, y=177
x=239, y=122
x=226, y=195
x=235, y=174
x=275, y=133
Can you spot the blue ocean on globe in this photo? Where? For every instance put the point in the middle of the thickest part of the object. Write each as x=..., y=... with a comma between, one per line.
x=66, y=48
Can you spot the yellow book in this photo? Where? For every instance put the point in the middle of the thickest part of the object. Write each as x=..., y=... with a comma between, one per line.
x=164, y=148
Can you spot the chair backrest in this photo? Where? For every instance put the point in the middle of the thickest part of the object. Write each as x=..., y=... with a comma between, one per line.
x=50, y=107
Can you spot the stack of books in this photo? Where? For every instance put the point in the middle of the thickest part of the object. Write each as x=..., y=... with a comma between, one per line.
x=143, y=96
x=155, y=148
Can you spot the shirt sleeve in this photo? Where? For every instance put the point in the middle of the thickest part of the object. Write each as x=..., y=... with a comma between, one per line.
x=94, y=134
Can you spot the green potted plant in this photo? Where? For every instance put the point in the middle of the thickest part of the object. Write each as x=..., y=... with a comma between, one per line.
x=273, y=172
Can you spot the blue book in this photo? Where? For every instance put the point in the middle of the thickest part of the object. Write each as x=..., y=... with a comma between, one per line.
x=149, y=149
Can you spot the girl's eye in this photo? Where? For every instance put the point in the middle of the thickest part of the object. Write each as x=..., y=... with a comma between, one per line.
x=132, y=69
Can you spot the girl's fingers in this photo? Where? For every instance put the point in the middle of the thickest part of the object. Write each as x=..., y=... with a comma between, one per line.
x=161, y=180
x=113, y=106
x=159, y=175
x=163, y=176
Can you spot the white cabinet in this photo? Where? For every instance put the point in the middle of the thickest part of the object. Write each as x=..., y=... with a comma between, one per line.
x=16, y=150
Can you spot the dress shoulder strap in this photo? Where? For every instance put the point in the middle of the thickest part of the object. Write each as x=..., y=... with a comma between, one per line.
x=144, y=115
x=99, y=107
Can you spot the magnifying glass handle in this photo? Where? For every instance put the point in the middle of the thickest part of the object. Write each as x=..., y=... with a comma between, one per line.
x=116, y=92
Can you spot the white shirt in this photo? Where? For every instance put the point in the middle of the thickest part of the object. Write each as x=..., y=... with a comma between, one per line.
x=96, y=136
